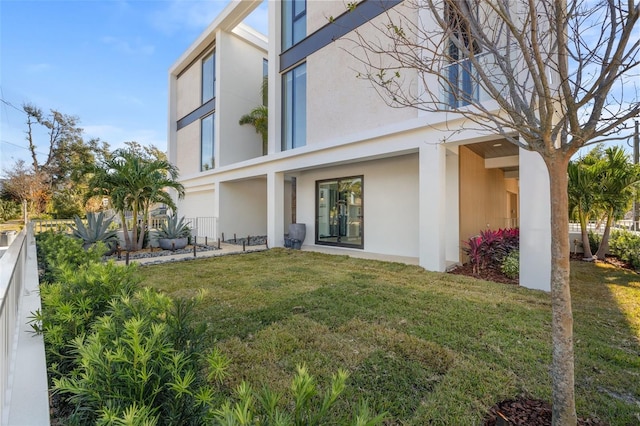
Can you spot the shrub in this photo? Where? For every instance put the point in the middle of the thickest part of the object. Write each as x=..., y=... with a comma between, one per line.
x=511, y=264
x=130, y=361
x=626, y=245
x=489, y=248
x=55, y=250
x=174, y=228
x=594, y=241
x=9, y=210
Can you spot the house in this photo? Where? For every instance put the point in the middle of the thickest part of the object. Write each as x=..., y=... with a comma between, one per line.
x=366, y=179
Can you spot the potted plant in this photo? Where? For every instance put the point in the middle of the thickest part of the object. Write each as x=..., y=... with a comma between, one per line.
x=173, y=234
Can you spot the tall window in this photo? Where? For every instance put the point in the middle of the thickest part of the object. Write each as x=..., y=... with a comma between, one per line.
x=294, y=22
x=209, y=77
x=206, y=143
x=461, y=83
x=294, y=108
x=339, y=214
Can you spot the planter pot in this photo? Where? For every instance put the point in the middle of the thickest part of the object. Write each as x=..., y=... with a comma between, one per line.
x=297, y=231
x=173, y=243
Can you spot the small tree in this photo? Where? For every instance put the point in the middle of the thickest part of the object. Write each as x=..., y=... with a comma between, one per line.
x=556, y=73
x=134, y=182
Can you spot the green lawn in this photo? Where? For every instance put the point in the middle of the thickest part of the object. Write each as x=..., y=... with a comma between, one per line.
x=425, y=347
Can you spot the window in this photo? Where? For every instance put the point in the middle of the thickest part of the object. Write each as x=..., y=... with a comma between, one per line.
x=339, y=214
x=206, y=143
x=209, y=77
x=460, y=85
x=294, y=22
x=265, y=82
x=294, y=108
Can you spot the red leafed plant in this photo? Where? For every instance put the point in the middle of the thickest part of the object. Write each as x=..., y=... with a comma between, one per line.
x=490, y=247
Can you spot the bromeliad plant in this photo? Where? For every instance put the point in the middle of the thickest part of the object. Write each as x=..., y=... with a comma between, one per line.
x=490, y=248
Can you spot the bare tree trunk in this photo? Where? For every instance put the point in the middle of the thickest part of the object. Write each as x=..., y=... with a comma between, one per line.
x=604, y=243
x=586, y=247
x=562, y=369
x=125, y=229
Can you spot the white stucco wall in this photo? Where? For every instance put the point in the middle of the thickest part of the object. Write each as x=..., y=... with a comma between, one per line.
x=243, y=208
x=189, y=89
x=240, y=75
x=535, y=222
x=188, y=149
x=198, y=202
x=390, y=202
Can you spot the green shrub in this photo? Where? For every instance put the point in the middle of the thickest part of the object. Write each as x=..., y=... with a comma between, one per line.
x=511, y=265
x=70, y=305
x=626, y=245
x=55, y=250
x=130, y=359
x=594, y=241
x=9, y=210
x=96, y=230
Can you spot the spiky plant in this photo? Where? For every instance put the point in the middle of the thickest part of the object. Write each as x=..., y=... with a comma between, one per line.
x=96, y=230
x=174, y=228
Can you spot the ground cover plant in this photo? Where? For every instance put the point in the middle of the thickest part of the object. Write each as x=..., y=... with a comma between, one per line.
x=425, y=347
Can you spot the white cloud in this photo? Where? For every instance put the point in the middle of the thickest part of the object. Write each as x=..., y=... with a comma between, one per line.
x=135, y=48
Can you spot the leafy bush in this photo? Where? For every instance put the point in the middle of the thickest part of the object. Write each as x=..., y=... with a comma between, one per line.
x=594, y=241
x=9, y=210
x=130, y=361
x=626, y=245
x=511, y=265
x=489, y=248
x=70, y=305
x=56, y=250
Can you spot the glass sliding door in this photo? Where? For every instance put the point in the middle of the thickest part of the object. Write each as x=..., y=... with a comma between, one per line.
x=339, y=212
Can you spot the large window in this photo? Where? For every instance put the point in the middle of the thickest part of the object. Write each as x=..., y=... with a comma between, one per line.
x=206, y=143
x=339, y=214
x=460, y=85
x=294, y=108
x=209, y=77
x=294, y=22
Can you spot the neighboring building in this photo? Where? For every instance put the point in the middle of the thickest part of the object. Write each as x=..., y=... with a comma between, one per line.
x=366, y=179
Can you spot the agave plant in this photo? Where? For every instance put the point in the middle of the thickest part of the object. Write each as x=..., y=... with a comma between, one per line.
x=97, y=229
x=174, y=228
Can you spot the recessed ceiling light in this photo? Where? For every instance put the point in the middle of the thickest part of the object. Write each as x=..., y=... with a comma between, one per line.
x=497, y=144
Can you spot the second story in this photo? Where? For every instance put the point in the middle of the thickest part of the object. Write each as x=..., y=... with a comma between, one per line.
x=211, y=86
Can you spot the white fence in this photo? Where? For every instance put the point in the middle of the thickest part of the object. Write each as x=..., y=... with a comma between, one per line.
x=12, y=277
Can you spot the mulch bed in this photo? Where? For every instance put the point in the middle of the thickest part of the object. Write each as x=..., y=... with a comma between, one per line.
x=488, y=274
x=529, y=412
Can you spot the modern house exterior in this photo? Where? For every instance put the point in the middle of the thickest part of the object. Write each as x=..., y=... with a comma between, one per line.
x=366, y=179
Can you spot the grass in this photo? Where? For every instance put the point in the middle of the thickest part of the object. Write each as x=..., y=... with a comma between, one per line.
x=428, y=348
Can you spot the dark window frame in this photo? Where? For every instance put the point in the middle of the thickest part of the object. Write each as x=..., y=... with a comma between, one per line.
x=284, y=146
x=361, y=215
x=212, y=55
x=213, y=142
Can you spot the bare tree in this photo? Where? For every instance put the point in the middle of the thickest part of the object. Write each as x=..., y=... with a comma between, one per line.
x=550, y=76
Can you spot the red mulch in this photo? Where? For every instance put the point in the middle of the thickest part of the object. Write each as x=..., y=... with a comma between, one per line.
x=529, y=412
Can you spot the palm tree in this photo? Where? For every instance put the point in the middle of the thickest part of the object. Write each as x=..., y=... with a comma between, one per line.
x=616, y=181
x=133, y=183
x=581, y=191
x=259, y=117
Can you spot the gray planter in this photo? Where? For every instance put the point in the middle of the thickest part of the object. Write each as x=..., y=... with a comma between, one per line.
x=297, y=232
x=173, y=243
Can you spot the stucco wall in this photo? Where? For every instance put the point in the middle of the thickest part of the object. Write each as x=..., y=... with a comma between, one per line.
x=240, y=74
x=390, y=202
x=188, y=152
x=243, y=208
x=197, y=203
x=189, y=90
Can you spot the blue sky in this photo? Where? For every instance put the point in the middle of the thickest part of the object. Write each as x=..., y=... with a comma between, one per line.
x=105, y=61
